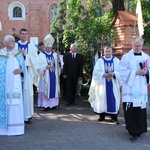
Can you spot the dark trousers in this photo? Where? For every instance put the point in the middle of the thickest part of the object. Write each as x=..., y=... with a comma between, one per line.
x=71, y=85
x=113, y=116
x=135, y=119
x=63, y=86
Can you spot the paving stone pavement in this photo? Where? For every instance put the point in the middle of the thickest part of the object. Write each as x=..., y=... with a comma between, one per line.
x=74, y=128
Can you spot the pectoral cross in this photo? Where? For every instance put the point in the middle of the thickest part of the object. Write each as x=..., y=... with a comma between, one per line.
x=109, y=70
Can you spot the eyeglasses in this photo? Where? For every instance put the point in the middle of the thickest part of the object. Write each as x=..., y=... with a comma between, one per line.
x=137, y=45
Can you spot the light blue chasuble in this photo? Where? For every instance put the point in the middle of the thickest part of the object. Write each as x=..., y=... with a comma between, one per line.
x=3, y=97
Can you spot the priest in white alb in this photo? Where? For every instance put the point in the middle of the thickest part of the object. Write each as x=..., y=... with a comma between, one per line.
x=104, y=93
x=29, y=52
x=12, y=76
x=134, y=71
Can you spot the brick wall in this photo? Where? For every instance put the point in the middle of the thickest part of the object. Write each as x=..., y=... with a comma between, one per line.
x=37, y=16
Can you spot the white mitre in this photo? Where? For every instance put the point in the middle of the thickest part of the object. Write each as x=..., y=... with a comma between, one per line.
x=48, y=40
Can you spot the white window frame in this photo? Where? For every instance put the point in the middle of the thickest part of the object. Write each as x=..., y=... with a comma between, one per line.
x=51, y=16
x=11, y=8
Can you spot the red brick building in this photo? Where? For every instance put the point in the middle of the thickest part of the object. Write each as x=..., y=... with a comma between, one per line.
x=34, y=15
x=125, y=29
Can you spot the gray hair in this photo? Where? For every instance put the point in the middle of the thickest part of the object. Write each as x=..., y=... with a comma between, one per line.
x=75, y=45
x=138, y=39
x=7, y=38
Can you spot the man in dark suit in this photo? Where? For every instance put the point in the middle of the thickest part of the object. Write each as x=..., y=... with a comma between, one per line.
x=72, y=72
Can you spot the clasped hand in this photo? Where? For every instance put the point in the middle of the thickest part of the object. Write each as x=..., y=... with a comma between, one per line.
x=17, y=71
x=51, y=68
x=23, y=52
x=141, y=71
x=109, y=75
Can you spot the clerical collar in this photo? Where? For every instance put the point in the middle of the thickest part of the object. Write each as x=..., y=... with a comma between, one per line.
x=49, y=53
x=108, y=58
x=9, y=51
x=136, y=54
x=22, y=43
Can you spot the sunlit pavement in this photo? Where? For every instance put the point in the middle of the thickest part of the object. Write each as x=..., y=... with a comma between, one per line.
x=74, y=128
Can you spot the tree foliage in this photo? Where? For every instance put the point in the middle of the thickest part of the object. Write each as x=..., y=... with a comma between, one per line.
x=57, y=27
x=86, y=27
x=117, y=5
x=89, y=25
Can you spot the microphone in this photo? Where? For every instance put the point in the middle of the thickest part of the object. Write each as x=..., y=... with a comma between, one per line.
x=141, y=65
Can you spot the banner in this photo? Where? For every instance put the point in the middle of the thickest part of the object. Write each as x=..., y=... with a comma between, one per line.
x=140, y=18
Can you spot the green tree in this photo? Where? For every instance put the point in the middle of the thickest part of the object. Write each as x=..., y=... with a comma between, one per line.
x=57, y=27
x=145, y=11
x=73, y=13
x=88, y=28
x=117, y=5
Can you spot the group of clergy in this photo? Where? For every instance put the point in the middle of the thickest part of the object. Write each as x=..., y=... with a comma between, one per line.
x=132, y=74
x=21, y=65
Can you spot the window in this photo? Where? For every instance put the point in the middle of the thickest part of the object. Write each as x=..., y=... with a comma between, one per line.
x=16, y=11
x=53, y=12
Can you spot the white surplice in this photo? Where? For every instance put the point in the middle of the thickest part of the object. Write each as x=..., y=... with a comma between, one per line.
x=44, y=84
x=134, y=87
x=97, y=91
x=32, y=63
x=15, y=114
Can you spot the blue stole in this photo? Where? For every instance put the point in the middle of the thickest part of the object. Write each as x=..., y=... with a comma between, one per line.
x=111, y=106
x=22, y=46
x=3, y=102
x=52, y=77
x=21, y=62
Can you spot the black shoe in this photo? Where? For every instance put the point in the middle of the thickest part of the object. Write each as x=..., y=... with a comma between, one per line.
x=117, y=123
x=27, y=122
x=138, y=135
x=64, y=98
x=100, y=119
x=68, y=104
x=73, y=103
x=46, y=109
x=133, y=138
x=54, y=107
